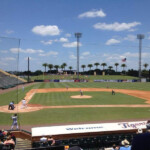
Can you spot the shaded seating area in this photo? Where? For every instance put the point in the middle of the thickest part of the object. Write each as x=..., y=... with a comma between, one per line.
x=9, y=81
x=89, y=143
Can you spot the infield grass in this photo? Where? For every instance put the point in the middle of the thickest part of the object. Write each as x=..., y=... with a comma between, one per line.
x=76, y=115
x=98, y=98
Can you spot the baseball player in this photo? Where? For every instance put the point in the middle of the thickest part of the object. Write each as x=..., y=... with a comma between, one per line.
x=81, y=92
x=15, y=123
x=24, y=105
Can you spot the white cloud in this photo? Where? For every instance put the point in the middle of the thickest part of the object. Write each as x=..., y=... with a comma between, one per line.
x=72, y=57
x=9, y=58
x=47, y=42
x=3, y=51
x=29, y=50
x=63, y=39
x=92, y=14
x=127, y=55
x=116, y=26
x=72, y=44
x=68, y=35
x=112, y=41
x=46, y=30
x=49, y=53
x=130, y=38
x=9, y=31
x=86, y=53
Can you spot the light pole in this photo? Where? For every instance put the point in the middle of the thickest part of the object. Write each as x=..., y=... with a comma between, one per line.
x=78, y=35
x=28, y=68
x=140, y=37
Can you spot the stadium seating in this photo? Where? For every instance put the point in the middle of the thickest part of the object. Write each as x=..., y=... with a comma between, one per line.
x=8, y=81
x=92, y=143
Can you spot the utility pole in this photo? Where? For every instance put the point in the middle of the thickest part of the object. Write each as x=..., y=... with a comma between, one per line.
x=140, y=37
x=28, y=69
x=78, y=35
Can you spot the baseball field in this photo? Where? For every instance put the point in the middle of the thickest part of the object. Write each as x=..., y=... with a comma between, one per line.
x=53, y=103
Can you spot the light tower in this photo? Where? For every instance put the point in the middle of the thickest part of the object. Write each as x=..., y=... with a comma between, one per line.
x=140, y=37
x=78, y=35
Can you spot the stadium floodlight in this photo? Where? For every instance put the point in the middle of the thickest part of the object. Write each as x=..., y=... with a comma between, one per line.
x=78, y=35
x=140, y=37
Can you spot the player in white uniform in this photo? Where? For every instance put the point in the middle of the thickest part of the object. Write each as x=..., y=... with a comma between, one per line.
x=24, y=105
x=15, y=123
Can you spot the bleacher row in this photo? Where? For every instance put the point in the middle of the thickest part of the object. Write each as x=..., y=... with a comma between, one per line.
x=86, y=143
x=7, y=81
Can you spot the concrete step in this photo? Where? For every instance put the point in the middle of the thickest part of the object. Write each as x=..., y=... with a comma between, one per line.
x=22, y=144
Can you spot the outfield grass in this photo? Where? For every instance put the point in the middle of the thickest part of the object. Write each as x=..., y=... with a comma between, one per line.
x=98, y=98
x=88, y=77
x=111, y=85
x=76, y=115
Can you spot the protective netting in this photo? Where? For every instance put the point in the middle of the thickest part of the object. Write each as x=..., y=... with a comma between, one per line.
x=9, y=60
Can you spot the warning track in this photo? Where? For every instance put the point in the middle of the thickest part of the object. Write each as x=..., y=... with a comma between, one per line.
x=35, y=107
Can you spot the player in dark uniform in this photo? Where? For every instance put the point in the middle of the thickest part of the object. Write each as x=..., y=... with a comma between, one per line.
x=81, y=92
x=113, y=92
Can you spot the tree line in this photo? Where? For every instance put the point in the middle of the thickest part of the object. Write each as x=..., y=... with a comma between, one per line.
x=64, y=65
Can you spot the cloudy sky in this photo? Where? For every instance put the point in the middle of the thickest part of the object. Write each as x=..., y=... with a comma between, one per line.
x=46, y=31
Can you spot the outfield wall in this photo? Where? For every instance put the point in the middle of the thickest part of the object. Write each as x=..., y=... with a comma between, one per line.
x=83, y=80
x=57, y=80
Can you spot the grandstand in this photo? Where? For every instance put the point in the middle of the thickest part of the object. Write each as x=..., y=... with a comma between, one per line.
x=8, y=80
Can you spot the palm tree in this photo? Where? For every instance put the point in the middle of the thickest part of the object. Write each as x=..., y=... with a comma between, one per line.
x=123, y=66
x=64, y=64
x=96, y=64
x=83, y=66
x=90, y=66
x=145, y=65
x=103, y=64
x=116, y=64
x=62, y=67
x=50, y=66
x=56, y=67
x=70, y=67
x=45, y=65
x=110, y=67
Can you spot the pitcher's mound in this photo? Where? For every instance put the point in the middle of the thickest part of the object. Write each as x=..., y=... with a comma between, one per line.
x=79, y=96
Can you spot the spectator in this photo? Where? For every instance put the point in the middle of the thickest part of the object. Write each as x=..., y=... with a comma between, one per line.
x=115, y=147
x=139, y=131
x=1, y=142
x=142, y=141
x=1, y=134
x=51, y=141
x=12, y=136
x=9, y=140
x=125, y=145
x=43, y=139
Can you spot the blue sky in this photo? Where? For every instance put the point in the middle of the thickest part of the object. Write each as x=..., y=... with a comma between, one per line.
x=46, y=31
